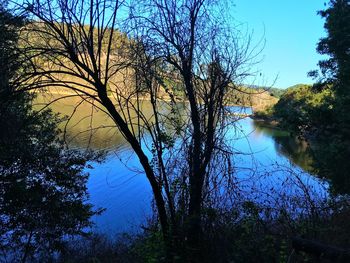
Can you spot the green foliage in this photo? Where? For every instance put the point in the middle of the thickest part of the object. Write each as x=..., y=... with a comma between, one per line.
x=43, y=185
x=303, y=109
x=336, y=68
x=175, y=87
x=322, y=111
x=9, y=57
x=146, y=247
x=265, y=114
x=336, y=44
x=43, y=194
x=150, y=247
x=316, y=114
x=276, y=92
x=249, y=232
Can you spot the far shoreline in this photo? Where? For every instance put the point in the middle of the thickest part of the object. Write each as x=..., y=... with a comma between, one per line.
x=142, y=98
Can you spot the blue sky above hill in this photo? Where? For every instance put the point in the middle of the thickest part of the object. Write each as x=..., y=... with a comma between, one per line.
x=291, y=29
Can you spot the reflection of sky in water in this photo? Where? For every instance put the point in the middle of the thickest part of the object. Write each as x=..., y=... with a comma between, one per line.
x=274, y=173
x=123, y=191
x=265, y=166
x=262, y=171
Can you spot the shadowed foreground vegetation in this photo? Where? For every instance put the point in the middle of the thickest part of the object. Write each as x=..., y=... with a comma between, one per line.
x=176, y=51
x=250, y=233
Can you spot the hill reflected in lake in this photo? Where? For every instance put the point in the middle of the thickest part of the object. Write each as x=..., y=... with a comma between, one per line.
x=118, y=184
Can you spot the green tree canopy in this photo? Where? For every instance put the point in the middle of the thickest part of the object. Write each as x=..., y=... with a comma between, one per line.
x=322, y=111
x=336, y=44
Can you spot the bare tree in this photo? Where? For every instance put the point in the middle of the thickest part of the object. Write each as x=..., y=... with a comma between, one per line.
x=179, y=55
x=208, y=60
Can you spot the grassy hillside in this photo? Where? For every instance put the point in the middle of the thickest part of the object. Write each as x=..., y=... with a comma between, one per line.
x=120, y=76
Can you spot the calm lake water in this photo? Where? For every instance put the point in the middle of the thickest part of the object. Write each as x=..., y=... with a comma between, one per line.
x=266, y=159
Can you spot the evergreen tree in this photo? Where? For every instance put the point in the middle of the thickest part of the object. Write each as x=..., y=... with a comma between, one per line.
x=43, y=194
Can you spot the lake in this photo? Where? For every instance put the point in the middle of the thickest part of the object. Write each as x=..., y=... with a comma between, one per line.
x=268, y=163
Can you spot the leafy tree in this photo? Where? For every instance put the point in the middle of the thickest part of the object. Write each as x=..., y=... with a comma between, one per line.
x=9, y=63
x=336, y=44
x=303, y=110
x=43, y=194
x=334, y=150
x=323, y=109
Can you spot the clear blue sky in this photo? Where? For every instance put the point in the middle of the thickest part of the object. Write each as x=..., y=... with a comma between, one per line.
x=291, y=29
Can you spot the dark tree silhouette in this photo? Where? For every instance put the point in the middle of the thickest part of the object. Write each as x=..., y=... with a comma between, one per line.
x=321, y=111
x=43, y=194
x=336, y=70
x=171, y=49
x=336, y=44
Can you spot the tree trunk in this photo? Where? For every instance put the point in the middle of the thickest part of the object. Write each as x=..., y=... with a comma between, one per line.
x=194, y=232
x=157, y=192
